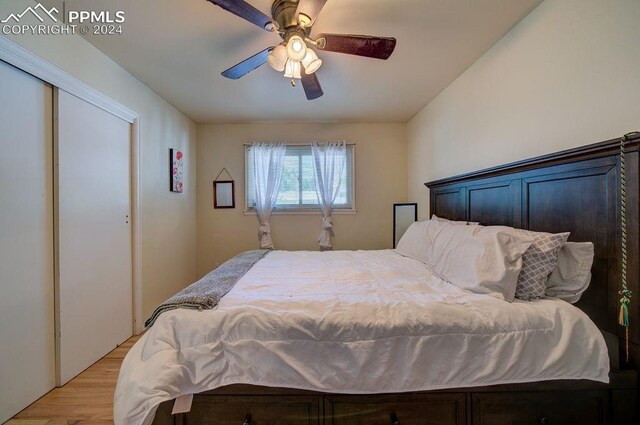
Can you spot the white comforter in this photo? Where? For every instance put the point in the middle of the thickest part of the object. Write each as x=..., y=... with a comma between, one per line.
x=354, y=322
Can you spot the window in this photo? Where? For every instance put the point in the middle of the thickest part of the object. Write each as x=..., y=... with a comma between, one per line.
x=298, y=185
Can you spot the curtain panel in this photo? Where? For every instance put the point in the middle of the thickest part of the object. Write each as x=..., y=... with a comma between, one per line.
x=267, y=162
x=329, y=162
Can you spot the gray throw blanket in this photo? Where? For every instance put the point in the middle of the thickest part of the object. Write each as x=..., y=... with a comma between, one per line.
x=206, y=293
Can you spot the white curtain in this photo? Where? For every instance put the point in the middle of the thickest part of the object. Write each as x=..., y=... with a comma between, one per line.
x=329, y=161
x=267, y=162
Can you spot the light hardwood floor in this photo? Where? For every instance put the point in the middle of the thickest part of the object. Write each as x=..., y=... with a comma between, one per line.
x=85, y=400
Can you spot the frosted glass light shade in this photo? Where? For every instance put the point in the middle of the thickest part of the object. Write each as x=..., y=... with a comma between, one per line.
x=292, y=69
x=311, y=62
x=278, y=58
x=296, y=48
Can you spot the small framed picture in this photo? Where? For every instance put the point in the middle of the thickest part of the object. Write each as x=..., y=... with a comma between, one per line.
x=224, y=194
x=175, y=171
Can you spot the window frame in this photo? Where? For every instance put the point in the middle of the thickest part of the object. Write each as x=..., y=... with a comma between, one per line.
x=306, y=208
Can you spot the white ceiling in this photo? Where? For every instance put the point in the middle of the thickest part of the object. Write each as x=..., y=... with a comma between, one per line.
x=179, y=49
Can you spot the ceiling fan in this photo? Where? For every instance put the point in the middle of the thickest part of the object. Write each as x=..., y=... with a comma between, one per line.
x=293, y=20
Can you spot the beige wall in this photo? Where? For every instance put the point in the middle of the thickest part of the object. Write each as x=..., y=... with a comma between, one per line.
x=168, y=219
x=380, y=181
x=567, y=75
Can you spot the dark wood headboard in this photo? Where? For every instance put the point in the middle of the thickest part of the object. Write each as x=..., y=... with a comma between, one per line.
x=575, y=190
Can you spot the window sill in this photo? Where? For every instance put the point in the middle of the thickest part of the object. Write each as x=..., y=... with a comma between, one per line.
x=304, y=212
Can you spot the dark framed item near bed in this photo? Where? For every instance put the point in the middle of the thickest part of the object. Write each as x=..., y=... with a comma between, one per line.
x=574, y=190
x=404, y=214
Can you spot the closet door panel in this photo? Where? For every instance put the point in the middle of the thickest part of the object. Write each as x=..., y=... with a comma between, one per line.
x=94, y=234
x=27, y=355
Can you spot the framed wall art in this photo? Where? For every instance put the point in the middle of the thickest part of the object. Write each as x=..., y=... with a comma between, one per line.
x=224, y=193
x=176, y=183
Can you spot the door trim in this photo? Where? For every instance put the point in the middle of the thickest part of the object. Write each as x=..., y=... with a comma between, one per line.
x=33, y=64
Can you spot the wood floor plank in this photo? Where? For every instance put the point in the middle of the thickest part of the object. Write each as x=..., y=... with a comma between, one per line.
x=85, y=400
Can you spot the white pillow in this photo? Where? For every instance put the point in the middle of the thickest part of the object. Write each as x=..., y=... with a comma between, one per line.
x=572, y=275
x=413, y=243
x=483, y=260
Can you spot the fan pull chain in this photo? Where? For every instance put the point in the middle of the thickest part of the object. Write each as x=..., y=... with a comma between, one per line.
x=623, y=318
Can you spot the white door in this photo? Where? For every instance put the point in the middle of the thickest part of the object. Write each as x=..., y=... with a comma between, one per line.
x=27, y=354
x=94, y=284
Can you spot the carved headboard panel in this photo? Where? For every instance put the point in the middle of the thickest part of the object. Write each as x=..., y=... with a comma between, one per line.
x=574, y=190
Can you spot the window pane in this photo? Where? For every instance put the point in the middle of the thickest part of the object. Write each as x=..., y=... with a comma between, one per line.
x=298, y=186
x=290, y=185
x=309, y=196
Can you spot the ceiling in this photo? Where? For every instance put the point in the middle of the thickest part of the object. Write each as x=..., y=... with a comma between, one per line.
x=179, y=49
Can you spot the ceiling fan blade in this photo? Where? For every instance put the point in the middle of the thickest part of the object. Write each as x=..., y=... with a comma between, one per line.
x=311, y=86
x=244, y=10
x=360, y=45
x=248, y=65
x=310, y=8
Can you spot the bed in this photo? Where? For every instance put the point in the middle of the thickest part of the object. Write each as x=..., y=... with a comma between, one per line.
x=282, y=345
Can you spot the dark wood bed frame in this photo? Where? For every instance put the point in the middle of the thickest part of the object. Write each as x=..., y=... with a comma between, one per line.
x=574, y=190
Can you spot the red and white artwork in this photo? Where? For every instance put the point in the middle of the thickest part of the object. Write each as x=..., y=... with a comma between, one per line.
x=175, y=171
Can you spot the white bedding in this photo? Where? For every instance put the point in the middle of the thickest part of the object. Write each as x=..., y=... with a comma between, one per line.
x=354, y=322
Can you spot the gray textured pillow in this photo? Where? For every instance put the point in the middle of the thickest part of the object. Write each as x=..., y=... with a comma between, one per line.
x=537, y=263
x=444, y=220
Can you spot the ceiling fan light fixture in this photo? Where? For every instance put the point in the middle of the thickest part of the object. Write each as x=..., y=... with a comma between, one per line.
x=278, y=58
x=293, y=21
x=311, y=62
x=296, y=48
x=293, y=70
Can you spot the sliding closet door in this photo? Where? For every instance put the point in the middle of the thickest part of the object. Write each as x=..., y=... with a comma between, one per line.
x=94, y=286
x=27, y=365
